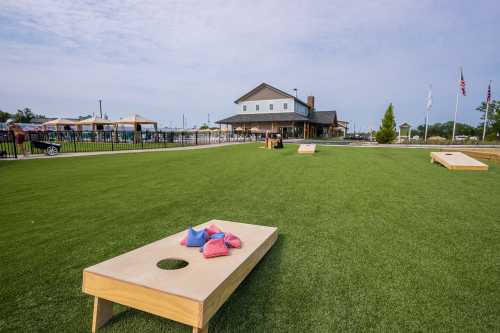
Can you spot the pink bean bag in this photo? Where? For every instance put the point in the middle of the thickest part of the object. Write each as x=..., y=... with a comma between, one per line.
x=215, y=248
x=212, y=229
x=232, y=240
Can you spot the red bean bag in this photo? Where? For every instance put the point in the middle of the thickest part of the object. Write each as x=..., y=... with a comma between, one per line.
x=215, y=248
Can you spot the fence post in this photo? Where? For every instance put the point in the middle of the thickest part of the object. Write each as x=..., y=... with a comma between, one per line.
x=74, y=141
x=14, y=143
x=164, y=142
x=29, y=137
x=142, y=142
x=111, y=138
x=196, y=138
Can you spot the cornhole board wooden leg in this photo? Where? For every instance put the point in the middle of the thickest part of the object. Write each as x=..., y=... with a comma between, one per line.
x=103, y=311
x=201, y=330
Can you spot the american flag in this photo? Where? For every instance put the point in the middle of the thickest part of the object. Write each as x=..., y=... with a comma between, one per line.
x=462, y=83
x=488, y=95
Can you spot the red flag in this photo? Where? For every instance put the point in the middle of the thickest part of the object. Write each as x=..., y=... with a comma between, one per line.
x=462, y=83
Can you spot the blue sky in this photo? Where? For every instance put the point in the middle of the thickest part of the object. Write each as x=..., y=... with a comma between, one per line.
x=161, y=59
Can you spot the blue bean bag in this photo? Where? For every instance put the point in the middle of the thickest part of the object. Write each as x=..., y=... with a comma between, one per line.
x=195, y=238
x=217, y=235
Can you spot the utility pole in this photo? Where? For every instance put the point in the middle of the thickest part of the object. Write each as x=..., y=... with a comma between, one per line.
x=208, y=123
x=183, y=121
x=100, y=106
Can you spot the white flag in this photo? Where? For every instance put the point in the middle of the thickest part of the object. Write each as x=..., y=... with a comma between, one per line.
x=429, y=99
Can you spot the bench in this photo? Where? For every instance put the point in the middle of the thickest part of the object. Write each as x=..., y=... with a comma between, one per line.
x=190, y=295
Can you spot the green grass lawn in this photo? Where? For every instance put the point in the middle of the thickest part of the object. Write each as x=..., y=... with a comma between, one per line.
x=370, y=239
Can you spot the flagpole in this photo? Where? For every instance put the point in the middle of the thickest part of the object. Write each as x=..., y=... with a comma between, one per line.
x=485, y=119
x=456, y=108
x=429, y=105
x=426, y=124
x=486, y=113
x=455, y=120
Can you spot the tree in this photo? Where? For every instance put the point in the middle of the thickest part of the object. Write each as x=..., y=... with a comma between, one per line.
x=4, y=116
x=387, y=132
x=493, y=125
x=204, y=126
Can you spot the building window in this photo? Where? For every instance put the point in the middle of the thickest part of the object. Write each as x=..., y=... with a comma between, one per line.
x=244, y=107
x=270, y=106
x=256, y=107
x=285, y=106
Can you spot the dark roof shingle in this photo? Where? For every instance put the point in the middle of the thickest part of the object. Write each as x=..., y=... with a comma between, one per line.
x=262, y=117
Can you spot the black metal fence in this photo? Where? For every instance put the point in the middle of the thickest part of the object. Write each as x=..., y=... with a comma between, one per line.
x=92, y=141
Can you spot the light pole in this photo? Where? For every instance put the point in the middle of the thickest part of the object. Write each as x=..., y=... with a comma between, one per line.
x=296, y=92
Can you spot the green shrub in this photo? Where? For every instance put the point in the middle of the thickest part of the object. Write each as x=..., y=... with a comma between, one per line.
x=387, y=132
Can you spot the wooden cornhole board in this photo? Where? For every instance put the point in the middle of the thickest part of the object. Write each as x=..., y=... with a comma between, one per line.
x=190, y=295
x=457, y=161
x=307, y=149
x=492, y=154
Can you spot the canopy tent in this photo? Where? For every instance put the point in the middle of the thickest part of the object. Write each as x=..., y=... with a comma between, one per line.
x=58, y=122
x=136, y=120
x=94, y=121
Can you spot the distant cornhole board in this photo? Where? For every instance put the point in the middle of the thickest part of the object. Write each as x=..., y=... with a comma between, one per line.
x=307, y=149
x=457, y=161
x=190, y=293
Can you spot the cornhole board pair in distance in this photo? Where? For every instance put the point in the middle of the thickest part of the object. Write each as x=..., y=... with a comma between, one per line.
x=457, y=161
x=190, y=295
x=307, y=149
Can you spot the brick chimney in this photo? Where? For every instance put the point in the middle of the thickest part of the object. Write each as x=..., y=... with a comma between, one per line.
x=310, y=103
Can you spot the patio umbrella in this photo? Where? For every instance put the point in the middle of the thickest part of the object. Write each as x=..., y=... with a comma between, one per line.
x=136, y=120
x=58, y=122
x=94, y=121
x=238, y=129
x=255, y=129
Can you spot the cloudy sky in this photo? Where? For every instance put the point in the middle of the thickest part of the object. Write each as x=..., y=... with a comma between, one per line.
x=161, y=59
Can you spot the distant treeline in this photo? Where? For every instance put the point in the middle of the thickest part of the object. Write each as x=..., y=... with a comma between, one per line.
x=21, y=116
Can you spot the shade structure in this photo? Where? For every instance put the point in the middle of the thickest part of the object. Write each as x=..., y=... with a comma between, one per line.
x=95, y=121
x=255, y=129
x=238, y=129
x=135, y=119
x=59, y=122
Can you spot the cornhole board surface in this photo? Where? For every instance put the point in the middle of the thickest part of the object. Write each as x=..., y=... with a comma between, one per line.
x=457, y=161
x=307, y=149
x=481, y=153
x=190, y=295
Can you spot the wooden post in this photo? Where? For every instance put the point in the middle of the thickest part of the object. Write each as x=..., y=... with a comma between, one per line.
x=200, y=330
x=103, y=311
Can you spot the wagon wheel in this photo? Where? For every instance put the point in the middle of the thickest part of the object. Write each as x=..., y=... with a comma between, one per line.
x=51, y=150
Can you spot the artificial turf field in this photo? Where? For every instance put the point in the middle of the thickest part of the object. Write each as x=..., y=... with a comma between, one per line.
x=371, y=239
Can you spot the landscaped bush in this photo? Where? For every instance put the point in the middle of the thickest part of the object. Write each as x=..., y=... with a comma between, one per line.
x=387, y=132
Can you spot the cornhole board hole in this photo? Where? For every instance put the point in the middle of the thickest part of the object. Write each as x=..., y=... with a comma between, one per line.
x=190, y=295
x=457, y=161
x=307, y=149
